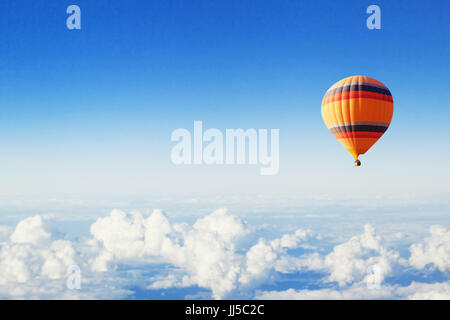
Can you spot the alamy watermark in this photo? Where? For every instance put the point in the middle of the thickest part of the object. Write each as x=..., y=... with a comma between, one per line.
x=73, y=277
x=74, y=20
x=373, y=277
x=236, y=146
x=374, y=20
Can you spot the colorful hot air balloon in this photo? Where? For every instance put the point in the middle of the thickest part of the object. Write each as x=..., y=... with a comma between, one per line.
x=357, y=110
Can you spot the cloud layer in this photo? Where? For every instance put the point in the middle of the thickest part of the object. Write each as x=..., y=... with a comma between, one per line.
x=206, y=253
x=219, y=253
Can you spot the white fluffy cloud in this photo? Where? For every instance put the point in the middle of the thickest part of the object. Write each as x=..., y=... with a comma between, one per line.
x=206, y=253
x=34, y=265
x=349, y=265
x=31, y=230
x=351, y=261
x=425, y=291
x=31, y=254
x=213, y=253
x=271, y=255
x=357, y=291
x=434, y=250
x=414, y=291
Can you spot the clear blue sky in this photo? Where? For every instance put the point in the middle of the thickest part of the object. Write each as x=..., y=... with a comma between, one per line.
x=92, y=110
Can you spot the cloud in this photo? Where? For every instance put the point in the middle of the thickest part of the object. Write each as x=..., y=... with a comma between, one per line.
x=266, y=256
x=218, y=252
x=426, y=291
x=34, y=265
x=350, y=261
x=206, y=252
x=122, y=236
x=434, y=250
x=31, y=254
x=414, y=291
x=359, y=291
x=31, y=230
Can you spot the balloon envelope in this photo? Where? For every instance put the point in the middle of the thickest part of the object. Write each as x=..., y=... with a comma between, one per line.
x=357, y=110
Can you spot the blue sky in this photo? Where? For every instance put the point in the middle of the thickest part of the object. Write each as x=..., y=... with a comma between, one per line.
x=86, y=108
x=86, y=117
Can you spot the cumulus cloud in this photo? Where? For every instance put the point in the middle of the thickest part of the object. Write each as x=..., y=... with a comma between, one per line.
x=30, y=253
x=271, y=255
x=205, y=252
x=34, y=264
x=414, y=291
x=350, y=261
x=426, y=291
x=349, y=265
x=360, y=260
x=434, y=250
x=217, y=252
x=31, y=230
x=359, y=291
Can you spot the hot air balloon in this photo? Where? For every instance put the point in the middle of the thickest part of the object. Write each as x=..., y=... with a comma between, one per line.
x=357, y=110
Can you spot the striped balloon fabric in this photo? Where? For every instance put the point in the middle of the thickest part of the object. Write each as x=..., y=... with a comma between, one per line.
x=357, y=110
